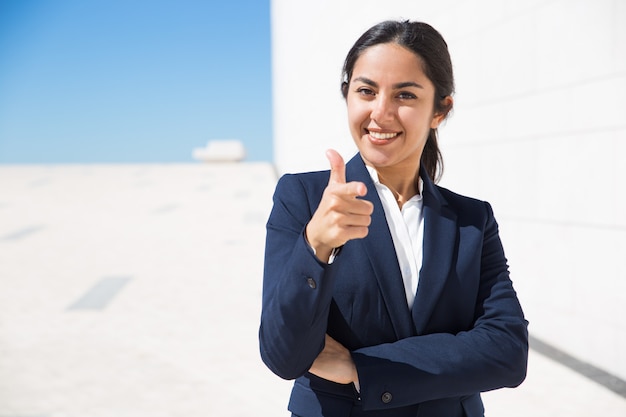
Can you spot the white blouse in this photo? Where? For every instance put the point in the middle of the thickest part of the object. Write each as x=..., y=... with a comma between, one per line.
x=407, y=231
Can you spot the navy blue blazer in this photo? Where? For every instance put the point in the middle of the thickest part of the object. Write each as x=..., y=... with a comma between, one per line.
x=465, y=334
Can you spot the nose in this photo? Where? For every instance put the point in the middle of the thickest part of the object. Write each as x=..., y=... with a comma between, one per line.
x=382, y=110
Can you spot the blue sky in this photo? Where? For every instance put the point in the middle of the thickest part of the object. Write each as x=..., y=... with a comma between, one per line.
x=132, y=81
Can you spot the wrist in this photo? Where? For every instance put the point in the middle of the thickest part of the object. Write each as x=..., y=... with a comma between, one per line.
x=323, y=252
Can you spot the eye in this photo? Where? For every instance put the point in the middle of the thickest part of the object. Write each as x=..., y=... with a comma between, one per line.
x=405, y=95
x=364, y=91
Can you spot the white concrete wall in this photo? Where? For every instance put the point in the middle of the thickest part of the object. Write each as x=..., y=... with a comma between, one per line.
x=539, y=130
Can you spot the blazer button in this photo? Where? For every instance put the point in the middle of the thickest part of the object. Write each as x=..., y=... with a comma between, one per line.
x=311, y=283
x=387, y=397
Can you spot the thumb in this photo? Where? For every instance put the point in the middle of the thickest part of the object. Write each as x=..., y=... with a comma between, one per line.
x=337, y=167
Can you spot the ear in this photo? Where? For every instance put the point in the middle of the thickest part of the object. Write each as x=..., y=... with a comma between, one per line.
x=344, y=89
x=446, y=104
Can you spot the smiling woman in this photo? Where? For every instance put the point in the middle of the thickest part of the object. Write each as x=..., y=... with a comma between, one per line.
x=116, y=81
x=383, y=293
x=433, y=60
x=391, y=113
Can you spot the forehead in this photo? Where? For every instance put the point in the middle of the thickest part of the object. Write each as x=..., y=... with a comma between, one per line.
x=389, y=61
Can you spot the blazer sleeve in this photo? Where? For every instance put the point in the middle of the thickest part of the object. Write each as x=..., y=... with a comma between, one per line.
x=297, y=287
x=492, y=354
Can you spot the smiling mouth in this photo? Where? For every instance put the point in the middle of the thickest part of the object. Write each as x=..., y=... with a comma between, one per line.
x=382, y=136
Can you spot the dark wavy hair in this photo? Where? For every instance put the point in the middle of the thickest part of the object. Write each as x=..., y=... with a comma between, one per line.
x=432, y=49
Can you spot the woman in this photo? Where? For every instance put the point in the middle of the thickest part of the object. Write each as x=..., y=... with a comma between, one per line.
x=385, y=294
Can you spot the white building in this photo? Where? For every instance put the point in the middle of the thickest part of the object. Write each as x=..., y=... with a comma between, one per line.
x=539, y=130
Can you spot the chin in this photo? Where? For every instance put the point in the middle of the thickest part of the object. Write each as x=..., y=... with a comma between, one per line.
x=375, y=159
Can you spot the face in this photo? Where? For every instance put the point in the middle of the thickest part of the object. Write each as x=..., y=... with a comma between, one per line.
x=391, y=107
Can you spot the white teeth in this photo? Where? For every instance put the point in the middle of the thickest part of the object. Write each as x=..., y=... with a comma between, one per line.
x=378, y=135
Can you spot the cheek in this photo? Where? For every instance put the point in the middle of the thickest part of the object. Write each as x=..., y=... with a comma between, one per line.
x=357, y=115
x=415, y=119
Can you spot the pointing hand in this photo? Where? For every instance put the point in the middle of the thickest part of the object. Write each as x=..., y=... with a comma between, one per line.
x=341, y=215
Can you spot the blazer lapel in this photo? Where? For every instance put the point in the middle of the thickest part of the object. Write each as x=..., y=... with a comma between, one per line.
x=382, y=255
x=440, y=235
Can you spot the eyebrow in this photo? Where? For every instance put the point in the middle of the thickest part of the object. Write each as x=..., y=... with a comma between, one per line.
x=404, y=84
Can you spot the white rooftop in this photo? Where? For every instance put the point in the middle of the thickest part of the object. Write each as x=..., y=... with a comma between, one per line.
x=134, y=290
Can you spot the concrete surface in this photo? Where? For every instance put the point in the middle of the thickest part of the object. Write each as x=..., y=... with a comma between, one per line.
x=134, y=290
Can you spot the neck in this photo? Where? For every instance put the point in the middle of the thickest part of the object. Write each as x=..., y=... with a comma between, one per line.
x=403, y=186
